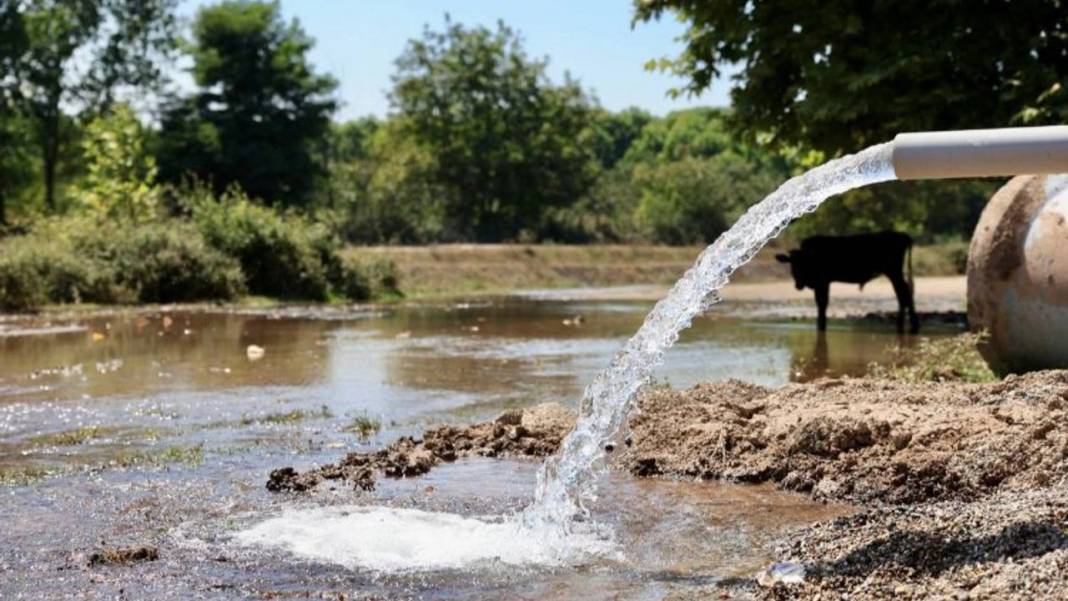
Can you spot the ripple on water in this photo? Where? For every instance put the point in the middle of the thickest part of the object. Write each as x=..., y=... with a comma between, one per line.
x=385, y=539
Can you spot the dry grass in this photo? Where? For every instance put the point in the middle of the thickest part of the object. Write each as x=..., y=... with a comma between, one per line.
x=455, y=269
x=462, y=269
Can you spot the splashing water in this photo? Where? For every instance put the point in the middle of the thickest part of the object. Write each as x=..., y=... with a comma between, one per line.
x=567, y=481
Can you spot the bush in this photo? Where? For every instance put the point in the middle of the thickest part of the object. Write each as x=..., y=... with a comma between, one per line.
x=694, y=200
x=281, y=255
x=21, y=287
x=167, y=262
x=76, y=260
x=364, y=277
x=44, y=266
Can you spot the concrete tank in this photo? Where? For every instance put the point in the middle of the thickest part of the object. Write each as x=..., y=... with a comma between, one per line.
x=1018, y=275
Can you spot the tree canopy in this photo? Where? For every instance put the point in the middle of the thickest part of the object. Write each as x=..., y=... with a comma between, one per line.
x=259, y=110
x=844, y=75
x=507, y=143
x=59, y=55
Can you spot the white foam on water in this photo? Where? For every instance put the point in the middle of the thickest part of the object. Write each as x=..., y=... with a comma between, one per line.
x=385, y=539
x=567, y=481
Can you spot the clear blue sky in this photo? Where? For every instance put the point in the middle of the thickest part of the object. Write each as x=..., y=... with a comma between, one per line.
x=358, y=40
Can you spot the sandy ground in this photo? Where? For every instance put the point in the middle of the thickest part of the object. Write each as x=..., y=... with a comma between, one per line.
x=961, y=487
x=928, y=290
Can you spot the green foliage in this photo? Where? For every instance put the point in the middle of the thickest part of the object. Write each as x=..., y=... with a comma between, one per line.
x=121, y=177
x=852, y=74
x=66, y=54
x=953, y=359
x=17, y=169
x=930, y=211
x=364, y=426
x=391, y=195
x=166, y=262
x=364, y=277
x=259, y=110
x=694, y=200
x=76, y=260
x=282, y=255
x=699, y=132
x=615, y=133
x=505, y=144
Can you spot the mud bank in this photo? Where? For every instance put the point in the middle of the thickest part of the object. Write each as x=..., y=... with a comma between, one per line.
x=533, y=432
x=963, y=486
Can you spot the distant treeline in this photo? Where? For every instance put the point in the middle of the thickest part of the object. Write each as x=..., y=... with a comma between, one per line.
x=480, y=144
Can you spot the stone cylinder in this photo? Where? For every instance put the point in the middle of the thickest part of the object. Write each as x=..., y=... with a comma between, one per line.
x=1018, y=275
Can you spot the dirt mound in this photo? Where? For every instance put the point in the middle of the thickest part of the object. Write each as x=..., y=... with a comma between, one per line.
x=1010, y=545
x=123, y=556
x=533, y=432
x=867, y=441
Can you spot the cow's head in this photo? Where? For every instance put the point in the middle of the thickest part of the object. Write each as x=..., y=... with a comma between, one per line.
x=801, y=267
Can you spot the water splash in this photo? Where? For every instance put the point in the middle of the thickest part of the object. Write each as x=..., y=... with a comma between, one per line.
x=567, y=481
x=391, y=540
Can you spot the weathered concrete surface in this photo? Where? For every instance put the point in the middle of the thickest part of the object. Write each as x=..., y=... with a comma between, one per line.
x=1018, y=275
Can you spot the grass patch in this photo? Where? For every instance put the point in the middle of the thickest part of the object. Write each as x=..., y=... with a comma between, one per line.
x=22, y=475
x=954, y=359
x=67, y=438
x=363, y=426
x=288, y=417
x=175, y=455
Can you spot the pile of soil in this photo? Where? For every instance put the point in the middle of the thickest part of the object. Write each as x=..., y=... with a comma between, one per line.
x=1009, y=545
x=859, y=440
x=871, y=442
x=123, y=555
x=533, y=432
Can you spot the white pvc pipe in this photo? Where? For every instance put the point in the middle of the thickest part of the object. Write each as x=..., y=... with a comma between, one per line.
x=981, y=152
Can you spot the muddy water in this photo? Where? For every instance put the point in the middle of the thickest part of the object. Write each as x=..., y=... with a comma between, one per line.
x=156, y=428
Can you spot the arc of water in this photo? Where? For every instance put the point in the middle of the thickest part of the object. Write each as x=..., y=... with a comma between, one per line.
x=567, y=480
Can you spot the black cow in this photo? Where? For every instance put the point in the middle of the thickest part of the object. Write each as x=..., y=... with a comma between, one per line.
x=856, y=260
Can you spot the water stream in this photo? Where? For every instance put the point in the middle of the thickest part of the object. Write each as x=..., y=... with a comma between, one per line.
x=567, y=481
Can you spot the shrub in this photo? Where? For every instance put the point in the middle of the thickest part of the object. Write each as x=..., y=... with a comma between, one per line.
x=42, y=267
x=168, y=262
x=281, y=255
x=21, y=288
x=77, y=260
x=364, y=277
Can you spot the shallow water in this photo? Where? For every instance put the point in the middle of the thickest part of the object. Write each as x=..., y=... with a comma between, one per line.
x=142, y=427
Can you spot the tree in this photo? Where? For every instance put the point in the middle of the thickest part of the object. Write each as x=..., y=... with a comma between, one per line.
x=506, y=142
x=851, y=74
x=614, y=133
x=693, y=200
x=121, y=178
x=77, y=55
x=259, y=110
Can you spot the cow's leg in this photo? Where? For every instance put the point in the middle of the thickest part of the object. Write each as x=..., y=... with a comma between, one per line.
x=905, y=303
x=823, y=292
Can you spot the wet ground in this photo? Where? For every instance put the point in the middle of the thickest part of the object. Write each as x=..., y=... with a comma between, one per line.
x=157, y=428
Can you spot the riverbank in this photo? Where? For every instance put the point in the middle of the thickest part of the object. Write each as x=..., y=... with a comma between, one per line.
x=960, y=488
x=466, y=269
